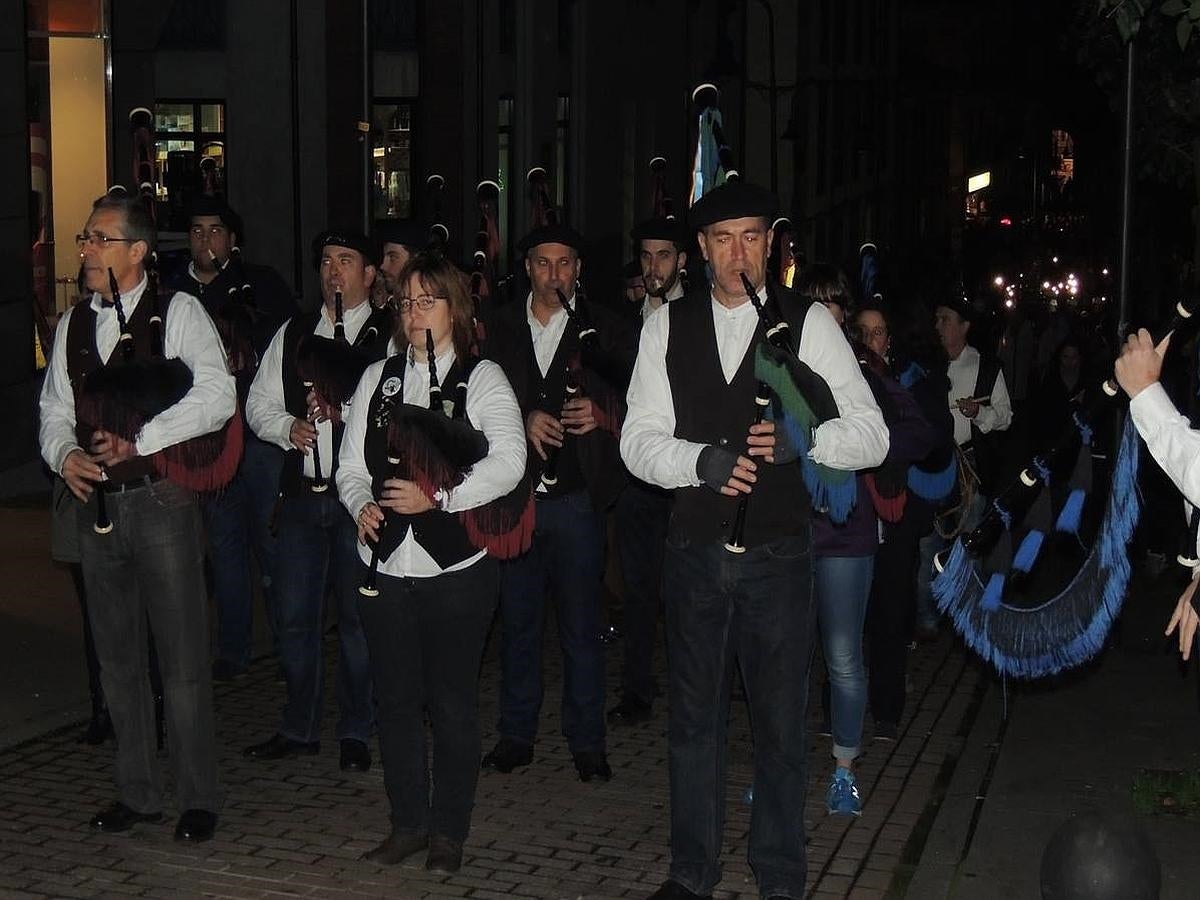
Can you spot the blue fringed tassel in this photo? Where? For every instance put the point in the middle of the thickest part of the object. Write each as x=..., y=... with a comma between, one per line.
x=993, y=594
x=1027, y=553
x=933, y=486
x=833, y=492
x=1071, y=516
x=950, y=585
x=834, y=496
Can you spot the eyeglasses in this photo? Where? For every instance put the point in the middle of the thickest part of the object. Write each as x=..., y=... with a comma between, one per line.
x=424, y=303
x=96, y=241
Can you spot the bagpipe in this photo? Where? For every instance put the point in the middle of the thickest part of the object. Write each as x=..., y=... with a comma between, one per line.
x=797, y=400
x=125, y=394
x=713, y=162
x=439, y=234
x=238, y=316
x=1069, y=628
x=483, y=259
x=663, y=207
x=332, y=367
x=141, y=130
x=542, y=210
x=789, y=392
x=436, y=447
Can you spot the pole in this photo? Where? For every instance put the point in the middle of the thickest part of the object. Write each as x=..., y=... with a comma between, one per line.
x=1126, y=195
x=368, y=158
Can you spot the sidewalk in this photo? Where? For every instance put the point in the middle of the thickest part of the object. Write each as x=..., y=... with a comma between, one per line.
x=1071, y=746
x=297, y=828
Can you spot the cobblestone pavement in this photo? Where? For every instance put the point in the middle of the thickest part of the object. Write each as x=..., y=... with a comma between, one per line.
x=298, y=827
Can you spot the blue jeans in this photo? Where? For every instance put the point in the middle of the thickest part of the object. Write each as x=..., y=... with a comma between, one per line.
x=754, y=609
x=238, y=518
x=150, y=567
x=317, y=548
x=932, y=544
x=843, y=587
x=641, y=515
x=567, y=556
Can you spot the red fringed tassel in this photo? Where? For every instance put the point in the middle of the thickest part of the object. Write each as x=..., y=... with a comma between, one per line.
x=207, y=463
x=890, y=509
x=491, y=527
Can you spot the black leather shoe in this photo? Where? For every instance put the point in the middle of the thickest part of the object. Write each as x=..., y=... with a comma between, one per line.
x=508, y=755
x=279, y=747
x=196, y=825
x=355, y=756
x=673, y=890
x=396, y=848
x=120, y=817
x=445, y=855
x=99, y=728
x=592, y=765
x=632, y=710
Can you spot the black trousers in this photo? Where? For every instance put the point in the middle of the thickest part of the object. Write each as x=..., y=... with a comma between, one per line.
x=891, y=616
x=425, y=637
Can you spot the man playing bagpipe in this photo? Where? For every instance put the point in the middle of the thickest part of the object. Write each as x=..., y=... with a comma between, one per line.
x=434, y=444
x=248, y=303
x=1173, y=443
x=980, y=406
x=568, y=361
x=738, y=579
x=296, y=403
x=398, y=240
x=138, y=388
x=643, y=509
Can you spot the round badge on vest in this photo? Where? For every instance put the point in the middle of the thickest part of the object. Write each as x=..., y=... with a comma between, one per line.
x=392, y=386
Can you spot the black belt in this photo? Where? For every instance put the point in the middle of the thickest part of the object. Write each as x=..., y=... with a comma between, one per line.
x=109, y=486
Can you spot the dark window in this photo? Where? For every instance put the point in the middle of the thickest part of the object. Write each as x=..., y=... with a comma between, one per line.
x=394, y=24
x=391, y=151
x=189, y=150
x=193, y=26
x=507, y=32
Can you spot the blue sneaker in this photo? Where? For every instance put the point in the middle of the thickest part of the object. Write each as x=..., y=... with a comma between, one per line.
x=842, y=797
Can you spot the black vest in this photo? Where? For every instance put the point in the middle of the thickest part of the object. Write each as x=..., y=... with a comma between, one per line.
x=709, y=411
x=83, y=357
x=440, y=533
x=989, y=459
x=372, y=341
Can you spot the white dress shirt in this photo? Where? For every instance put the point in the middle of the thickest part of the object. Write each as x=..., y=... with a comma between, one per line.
x=491, y=407
x=651, y=304
x=996, y=415
x=1171, y=440
x=857, y=439
x=266, y=409
x=188, y=334
x=546, y=337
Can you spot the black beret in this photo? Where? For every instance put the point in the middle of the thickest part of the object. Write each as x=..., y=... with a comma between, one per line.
x=660, y=228
x=341, y=237
x=955, y=300
x=732, y=200
x=406, y=232
x=631, y=269
x=206, y=205
x=552, y=234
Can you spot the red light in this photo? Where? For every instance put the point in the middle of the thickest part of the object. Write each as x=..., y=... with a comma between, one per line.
x=1006, y=222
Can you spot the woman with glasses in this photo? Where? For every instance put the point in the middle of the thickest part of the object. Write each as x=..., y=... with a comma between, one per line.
x=427, y=611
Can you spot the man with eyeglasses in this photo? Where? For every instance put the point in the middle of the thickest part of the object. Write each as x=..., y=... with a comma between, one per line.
x=316, y=535
x=248, y=302
x=537, y=343
x=147, y=567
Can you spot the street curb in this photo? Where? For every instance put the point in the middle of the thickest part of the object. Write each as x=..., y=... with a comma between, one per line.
x=949, y=838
